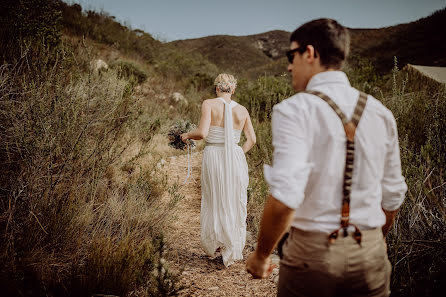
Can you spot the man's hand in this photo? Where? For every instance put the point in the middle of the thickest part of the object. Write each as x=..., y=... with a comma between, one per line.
x=259, y=267
x=275, y=221
x=390, y=218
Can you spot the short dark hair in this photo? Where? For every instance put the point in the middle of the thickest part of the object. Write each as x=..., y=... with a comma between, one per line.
x=330, y=39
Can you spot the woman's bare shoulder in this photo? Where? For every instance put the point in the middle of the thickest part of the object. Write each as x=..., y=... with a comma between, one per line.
x=242, y=109
x=211, y=101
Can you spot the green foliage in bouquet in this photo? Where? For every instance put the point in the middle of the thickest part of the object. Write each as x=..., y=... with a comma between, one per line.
x=180, y=127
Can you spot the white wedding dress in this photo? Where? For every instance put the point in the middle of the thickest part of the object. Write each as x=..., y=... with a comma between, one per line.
x=224, y=183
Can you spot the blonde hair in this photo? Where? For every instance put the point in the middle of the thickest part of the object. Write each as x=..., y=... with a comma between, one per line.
x=225, y=83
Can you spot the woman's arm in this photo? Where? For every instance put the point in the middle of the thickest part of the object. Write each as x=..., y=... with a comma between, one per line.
x=248, y=129
x=203, y=128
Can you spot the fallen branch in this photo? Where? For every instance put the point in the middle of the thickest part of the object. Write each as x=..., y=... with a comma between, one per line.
x=39, y=222
x=423, y=241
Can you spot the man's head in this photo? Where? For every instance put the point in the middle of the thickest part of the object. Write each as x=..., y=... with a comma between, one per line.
x=225, y=83
x=316, y=46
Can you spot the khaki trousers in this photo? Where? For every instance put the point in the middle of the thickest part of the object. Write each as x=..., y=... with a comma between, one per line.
x=312, y=267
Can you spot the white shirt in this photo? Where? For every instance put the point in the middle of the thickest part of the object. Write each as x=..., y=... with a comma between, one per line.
x=309, y=158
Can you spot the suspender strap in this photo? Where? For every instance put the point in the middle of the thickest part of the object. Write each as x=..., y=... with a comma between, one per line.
x=350, y=129
x=332, y=104
x=357, y=113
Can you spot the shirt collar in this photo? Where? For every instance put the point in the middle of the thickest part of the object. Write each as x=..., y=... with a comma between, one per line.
x=328, y=77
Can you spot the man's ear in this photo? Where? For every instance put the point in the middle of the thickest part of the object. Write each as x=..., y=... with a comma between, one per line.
x=312, y=53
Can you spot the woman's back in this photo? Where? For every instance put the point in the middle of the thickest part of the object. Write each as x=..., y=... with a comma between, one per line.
x=239, y=114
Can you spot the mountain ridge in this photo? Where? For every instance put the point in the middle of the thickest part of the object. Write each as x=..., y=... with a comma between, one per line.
x=409, y=42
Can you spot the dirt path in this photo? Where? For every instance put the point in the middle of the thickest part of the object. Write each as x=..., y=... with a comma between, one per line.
x=201, y=275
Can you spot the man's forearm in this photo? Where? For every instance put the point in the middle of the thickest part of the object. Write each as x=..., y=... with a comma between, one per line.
x=275, y=221
x=390, y=218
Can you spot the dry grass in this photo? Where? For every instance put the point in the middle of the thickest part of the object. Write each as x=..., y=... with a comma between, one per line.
x=80, y=209
x=417, y=242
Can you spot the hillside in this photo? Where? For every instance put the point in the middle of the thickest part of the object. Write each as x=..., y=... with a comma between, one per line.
x=243, y=55
x=166, y=60
x=229, y=53
x=420, y=42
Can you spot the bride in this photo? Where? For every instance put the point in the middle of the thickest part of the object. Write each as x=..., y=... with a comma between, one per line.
x=224, y=173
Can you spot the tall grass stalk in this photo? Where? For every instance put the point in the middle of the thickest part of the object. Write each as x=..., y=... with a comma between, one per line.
x=417, y=242
x=75, y=220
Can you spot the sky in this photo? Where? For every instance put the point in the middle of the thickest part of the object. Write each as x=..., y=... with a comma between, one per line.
x=169, y=20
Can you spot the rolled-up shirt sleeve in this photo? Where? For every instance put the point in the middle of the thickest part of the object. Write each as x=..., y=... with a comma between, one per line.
x=288, y=175
x=393, y=185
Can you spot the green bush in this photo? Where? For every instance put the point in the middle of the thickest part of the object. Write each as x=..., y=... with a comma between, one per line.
x=362, y=75
x=130, y=71
x=201, y=82
x=188, y=68
x=260, y=96
x=28, y=26
x=105, y=29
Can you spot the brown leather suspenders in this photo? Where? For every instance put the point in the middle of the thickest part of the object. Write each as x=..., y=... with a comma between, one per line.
x=350, y=129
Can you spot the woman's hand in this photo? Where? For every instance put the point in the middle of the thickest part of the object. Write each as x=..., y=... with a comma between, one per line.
x=184, y=137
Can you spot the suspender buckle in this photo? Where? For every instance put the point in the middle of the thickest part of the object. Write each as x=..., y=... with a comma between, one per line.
x=333, y=236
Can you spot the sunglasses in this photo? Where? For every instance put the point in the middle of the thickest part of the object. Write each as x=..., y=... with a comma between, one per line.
x=290, y=53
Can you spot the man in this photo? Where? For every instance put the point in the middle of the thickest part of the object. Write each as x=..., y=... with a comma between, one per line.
x=340, y=202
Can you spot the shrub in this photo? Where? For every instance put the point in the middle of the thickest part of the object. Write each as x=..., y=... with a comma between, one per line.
x=103, y=28
x=186, y=68
x=71, y=221
x=202, y=82
x=28, y=25
x=417, y=242
x=259, y=97
x=362, y=75
x=130, y=71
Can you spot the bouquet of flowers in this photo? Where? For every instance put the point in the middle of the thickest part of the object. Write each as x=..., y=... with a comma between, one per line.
x=176, y=130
